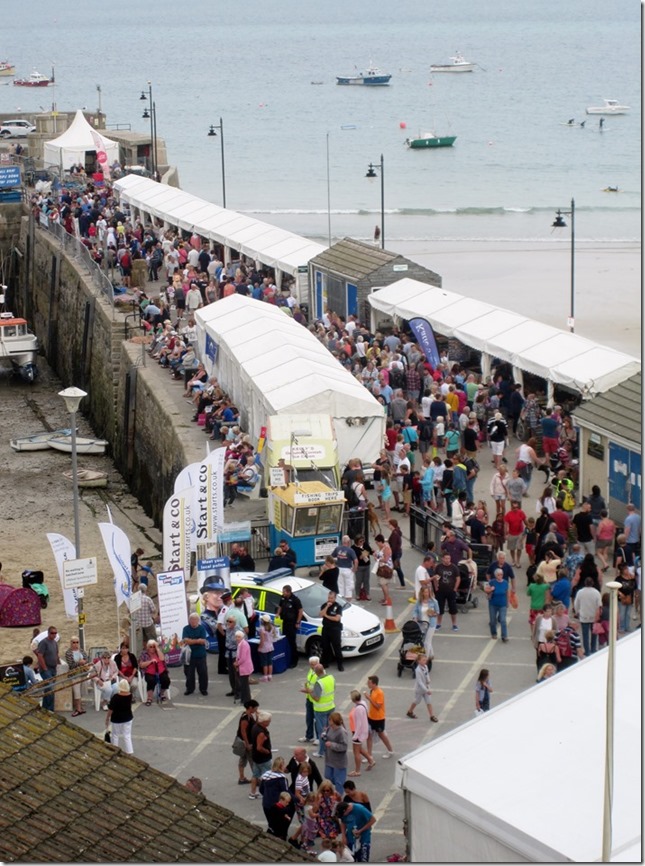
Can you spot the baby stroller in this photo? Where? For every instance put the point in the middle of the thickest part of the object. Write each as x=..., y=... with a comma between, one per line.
x=412, y=637
x=465, y=593
x=36, y=580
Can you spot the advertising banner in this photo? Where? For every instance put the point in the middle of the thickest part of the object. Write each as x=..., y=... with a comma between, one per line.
x=117, y=547
x=208, y=497
x=173, y=609
x=64, y=550
x=422, y=330
x=177, y=523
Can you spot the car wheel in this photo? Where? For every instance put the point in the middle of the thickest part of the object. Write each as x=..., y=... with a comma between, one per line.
x=5, y=133
x=314, y=646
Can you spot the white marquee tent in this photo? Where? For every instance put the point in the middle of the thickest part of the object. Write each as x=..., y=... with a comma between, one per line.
x=271, y=365
x=558, y=356
x=270, y=245
x=71, y=147
x=525, y=781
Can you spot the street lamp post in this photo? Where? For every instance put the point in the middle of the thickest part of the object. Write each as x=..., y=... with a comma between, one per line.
x=371, y=174
x=152, y=114
x=613, y=586
x=211, y=132
x=72, y=398
x=559, y=223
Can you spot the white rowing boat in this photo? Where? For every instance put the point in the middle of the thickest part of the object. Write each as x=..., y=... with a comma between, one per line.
x=83, y=446
x=37, y=441
x=88, y=478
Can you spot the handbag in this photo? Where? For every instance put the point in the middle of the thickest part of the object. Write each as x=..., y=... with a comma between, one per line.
x=184, y=657
x=512, y=598
x=107, y=736
x=384, y=571
x=597, y=628
x=238, y=748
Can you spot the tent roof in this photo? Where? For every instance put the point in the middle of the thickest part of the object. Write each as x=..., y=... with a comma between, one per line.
x=564, y=358
x=272, y=246
x=260, y=337
x=79, y=135
x=567, y=717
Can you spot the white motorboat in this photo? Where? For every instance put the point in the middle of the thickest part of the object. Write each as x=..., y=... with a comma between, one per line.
x=458, y=63
x=610, y=106
x=18, y=346
x=83, y=446
x=88, y=478
x=37, y=441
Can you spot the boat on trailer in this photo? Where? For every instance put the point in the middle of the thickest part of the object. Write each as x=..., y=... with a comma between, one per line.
x=18, y=346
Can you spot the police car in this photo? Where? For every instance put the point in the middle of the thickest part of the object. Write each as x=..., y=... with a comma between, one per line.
x=362, y=631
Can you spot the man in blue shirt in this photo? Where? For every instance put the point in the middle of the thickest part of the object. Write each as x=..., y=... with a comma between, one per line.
x=497, y=591
x=347, y=563
x=507, y=571
x=550, y=427
x=633, y=530
x=356, y=824
x=561, y=589
x=195, y=636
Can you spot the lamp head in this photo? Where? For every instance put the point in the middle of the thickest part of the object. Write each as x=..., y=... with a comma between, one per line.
x=211, y=130
x=371, y=171
x=146, y=113
x=72, y=398
x=558, y=222
x=143, y=96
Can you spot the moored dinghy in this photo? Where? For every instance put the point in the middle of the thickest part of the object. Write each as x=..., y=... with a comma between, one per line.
x=37, y=441
x=88, y=478
x=83, y=445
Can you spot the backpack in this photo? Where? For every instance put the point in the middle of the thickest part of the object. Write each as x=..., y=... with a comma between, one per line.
x=397, y=378
x=568, y=500
x=563, y=643
x=351, y=497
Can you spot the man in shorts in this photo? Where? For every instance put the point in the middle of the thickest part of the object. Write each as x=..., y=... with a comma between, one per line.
x=550, y=430
x=446, y=579
x=515, y=521
x=375, y=700
x=497, y=436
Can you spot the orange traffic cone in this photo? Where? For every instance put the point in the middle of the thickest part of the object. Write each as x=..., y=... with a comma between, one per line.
x=389, y=626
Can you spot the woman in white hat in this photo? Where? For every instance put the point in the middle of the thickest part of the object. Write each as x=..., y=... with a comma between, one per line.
x=120, y=714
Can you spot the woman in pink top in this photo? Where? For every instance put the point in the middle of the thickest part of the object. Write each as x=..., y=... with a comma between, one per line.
x=243, y=666
x=359, y=726
x=605, y=533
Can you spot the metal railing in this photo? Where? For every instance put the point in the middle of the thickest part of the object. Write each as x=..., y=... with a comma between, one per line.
x=427, y=525
x=76, y=250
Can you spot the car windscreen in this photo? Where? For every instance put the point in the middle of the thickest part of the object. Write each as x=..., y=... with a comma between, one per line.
x=313, y=597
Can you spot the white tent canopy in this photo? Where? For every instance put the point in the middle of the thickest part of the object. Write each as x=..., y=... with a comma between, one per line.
x=525, y=781
x=79, y=138
x=270, y=245
x=271, y=365
x=556, y=355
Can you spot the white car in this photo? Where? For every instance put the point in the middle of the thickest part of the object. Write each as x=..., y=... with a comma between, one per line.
x=362, y=631
x=16, y=128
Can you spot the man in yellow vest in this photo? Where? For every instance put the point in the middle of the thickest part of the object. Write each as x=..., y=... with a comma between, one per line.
x=322, y=694
x=312, y=676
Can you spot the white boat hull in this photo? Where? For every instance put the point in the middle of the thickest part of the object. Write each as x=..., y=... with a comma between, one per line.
x=37, y=441
x=88, y=478
x=456, y=67
x=83, y=446
x=597, y=109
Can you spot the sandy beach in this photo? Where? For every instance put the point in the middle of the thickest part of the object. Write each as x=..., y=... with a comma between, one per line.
x=535, y=279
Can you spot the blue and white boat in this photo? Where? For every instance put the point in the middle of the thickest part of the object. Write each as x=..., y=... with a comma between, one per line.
x=372, y=78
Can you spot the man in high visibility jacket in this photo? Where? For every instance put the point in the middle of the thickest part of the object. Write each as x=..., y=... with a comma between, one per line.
x=312, y=676
x=322, y=694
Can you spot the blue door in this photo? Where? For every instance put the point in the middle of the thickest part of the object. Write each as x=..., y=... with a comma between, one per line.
x=618, y=472
x=352, y=300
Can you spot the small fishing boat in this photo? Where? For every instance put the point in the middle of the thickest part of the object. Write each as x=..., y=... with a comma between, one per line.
x=83, y=446
x=372, y=78
x=88, y=478
x=458, y=63
x=609, y=106
x=7, y=68
x=18, y=346
x=35, y=79
x=429, y=139
x=37, y=441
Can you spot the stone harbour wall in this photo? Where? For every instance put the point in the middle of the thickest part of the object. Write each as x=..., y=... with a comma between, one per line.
x=87, y=344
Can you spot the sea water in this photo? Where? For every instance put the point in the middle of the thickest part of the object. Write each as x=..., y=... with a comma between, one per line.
x=297, y=152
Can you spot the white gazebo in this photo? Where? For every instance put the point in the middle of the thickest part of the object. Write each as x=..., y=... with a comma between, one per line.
x=76, y=142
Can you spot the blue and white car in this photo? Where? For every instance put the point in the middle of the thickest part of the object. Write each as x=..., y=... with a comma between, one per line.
x=362, y=631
